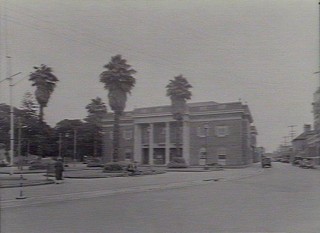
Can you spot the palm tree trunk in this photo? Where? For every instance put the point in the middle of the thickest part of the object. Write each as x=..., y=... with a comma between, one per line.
x=116, y=136
x=41, y=114
x=178, y=141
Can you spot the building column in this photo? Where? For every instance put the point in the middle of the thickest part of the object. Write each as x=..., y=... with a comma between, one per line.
x=186, y=142
x=151, y=144
x=137, y=144
x=167, y=156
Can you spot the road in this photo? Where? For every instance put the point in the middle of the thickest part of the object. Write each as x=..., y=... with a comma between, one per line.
x=280, y=199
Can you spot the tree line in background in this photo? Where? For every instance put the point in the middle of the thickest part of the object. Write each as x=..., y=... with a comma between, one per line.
x=78, y=138
x=68, y=138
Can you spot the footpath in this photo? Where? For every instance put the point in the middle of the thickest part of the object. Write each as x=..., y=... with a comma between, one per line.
x=92, y=185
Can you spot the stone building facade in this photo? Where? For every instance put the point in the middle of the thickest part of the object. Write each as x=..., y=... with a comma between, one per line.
x=211, y=133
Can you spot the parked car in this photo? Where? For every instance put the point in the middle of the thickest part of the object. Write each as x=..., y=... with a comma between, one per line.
x=307, y=163
x=266, y=162
x=41, y=164
x=296, y=161
x=95, y=163
x=285, y=160
x=4, y=163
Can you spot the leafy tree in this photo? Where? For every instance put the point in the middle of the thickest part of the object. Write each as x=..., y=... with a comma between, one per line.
x=67, y=130
x=5, y=125
x=179, y=93
x=45, y=82
x=30, y=131
x=118, y=80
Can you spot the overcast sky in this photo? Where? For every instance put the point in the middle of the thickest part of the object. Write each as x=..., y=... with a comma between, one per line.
x=264, y=52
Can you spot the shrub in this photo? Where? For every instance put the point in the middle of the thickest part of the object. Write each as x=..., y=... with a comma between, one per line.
x=177, y=162
x=115, y=166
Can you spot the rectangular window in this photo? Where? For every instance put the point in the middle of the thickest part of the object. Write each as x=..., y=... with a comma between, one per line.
x=221, y=151
x=127, y=134
x=163, y=131
x=222, y=131
x=203, y=130
x=128, y=154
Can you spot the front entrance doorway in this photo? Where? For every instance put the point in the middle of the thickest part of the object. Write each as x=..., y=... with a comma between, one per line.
x=159, y=156
x=145, y=156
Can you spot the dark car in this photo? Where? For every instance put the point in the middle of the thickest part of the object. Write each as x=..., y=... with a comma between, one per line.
x=266, y=162
x=297, y=161
x=41, y=164
x=4, y=163
x=95, y=163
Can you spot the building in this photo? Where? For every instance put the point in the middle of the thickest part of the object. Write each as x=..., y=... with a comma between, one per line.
x=300, y=143
x=307, y=144
x=211, y=133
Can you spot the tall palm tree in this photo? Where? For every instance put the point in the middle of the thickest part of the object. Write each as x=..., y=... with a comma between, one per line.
x=97, y=111
x=118, y=80
x=178, y=91
x=45, y=83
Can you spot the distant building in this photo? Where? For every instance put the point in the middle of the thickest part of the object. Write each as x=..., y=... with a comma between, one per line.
x=307, y=144
x=300, y=143
x=212, y=132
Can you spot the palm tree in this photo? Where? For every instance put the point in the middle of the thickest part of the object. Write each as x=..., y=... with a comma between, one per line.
x=97, y=110
x=118, y=80
x=178, y=91
x=45, y=82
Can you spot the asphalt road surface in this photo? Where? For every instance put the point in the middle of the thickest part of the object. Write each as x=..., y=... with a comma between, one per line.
x=280, y=199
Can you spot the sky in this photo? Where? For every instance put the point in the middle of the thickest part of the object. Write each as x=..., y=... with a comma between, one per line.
x=264, y=52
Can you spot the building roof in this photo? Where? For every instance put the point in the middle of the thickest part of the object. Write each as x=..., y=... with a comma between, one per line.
x=192, y=108
x=304, y=135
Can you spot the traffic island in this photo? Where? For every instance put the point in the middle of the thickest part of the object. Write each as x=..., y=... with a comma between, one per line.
x=94, y=174
x=15, y=182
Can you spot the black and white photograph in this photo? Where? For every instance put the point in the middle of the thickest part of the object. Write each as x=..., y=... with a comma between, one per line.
x=159, y=116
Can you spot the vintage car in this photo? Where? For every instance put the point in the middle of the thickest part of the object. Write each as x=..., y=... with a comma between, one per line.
x=266, y=162
x=307, y=163
x=297, y=160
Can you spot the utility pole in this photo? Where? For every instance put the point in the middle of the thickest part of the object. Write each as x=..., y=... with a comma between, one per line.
x=11, y=113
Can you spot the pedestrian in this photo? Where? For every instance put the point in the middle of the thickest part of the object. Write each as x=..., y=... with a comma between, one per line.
x=58, y=166
x=132, y=168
